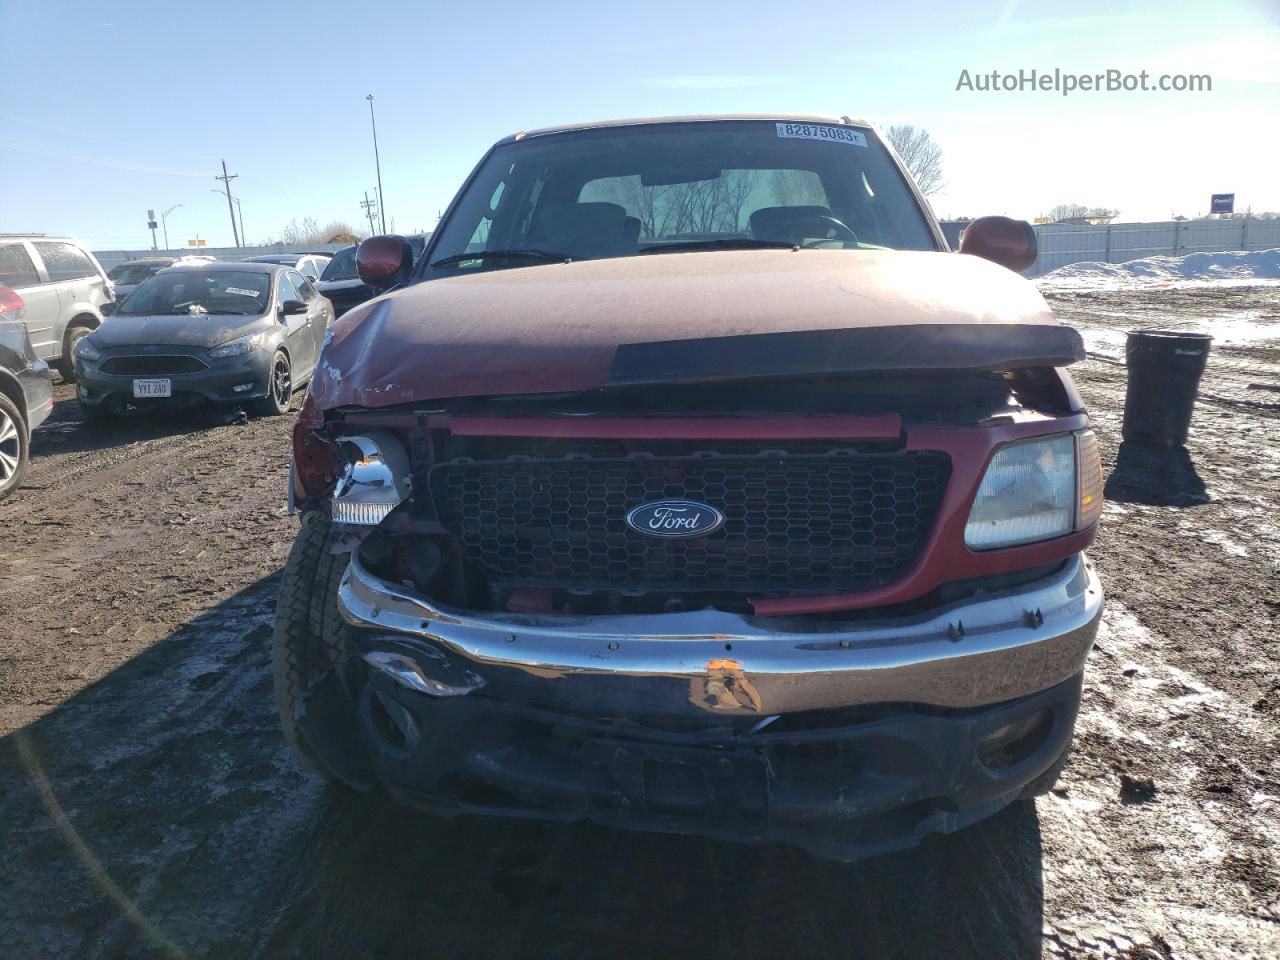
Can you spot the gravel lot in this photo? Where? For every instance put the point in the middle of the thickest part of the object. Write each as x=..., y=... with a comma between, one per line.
x=148, y=806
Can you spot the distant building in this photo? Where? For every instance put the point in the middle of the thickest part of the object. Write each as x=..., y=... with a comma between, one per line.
x=951, y=229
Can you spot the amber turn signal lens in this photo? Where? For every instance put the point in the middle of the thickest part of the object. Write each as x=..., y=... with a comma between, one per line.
x=1088, y=479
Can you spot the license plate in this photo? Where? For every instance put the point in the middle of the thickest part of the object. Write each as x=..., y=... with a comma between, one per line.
x=158, y=387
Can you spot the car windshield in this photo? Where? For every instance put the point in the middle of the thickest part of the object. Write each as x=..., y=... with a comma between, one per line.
x=133, y=272
x=342, y=266
x=669, y=188
x=208, y=291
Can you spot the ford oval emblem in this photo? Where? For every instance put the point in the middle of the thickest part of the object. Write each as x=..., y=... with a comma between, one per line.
x=674, y=518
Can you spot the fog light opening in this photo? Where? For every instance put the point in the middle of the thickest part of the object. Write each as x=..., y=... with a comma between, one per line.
x=393, y=723
x=1009, y=745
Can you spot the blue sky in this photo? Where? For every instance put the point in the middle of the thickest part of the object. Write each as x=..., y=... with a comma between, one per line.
x=108, y=109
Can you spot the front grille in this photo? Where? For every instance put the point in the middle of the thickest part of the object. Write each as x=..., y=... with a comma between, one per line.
x=793, y=522
x=153, y=366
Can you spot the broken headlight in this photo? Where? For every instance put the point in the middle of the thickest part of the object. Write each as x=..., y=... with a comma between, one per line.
x=375, y=479
x=1035, y=490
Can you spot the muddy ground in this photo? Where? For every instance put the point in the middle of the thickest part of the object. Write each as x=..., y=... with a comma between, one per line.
x=148, y=806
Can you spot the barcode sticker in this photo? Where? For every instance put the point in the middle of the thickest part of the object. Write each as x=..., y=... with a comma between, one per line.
x=815, y=131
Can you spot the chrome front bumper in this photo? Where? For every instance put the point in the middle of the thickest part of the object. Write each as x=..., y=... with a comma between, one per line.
x=973, y=653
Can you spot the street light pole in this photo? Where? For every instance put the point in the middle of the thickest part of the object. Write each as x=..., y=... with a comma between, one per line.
x=382, y=200
x=165, y=226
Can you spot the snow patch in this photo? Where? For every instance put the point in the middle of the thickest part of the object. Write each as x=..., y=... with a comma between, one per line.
x=1229, y=265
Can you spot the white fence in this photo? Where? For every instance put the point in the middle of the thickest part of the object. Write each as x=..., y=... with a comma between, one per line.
x=1060, y=243
x=1063, y=243
x=110, y=258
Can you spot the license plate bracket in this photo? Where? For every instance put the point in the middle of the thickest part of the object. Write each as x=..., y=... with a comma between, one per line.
x=144, y=388
x=677, y=783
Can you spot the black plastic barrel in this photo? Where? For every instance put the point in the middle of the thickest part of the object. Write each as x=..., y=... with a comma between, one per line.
x=1164, y=377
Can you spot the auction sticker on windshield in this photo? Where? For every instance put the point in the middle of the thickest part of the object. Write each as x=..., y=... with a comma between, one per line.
x=815, y=131
x=156, y=387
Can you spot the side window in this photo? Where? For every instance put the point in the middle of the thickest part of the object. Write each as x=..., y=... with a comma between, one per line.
x=64, y=261
x=304, y=287
x=16, y=268
x=286, y=289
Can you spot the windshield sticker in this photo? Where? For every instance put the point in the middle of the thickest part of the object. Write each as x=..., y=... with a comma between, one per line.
x=241, y=291
x=813, y=131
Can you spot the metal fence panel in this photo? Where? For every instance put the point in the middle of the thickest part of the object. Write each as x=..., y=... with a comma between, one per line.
x=1064, y=243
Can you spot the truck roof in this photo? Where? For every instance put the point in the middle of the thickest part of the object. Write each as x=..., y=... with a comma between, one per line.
x=691, y=118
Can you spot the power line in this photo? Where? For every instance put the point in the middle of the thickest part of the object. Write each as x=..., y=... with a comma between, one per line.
x=226, y=182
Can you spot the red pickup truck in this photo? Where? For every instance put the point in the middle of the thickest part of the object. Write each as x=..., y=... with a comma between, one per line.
x=688, y=482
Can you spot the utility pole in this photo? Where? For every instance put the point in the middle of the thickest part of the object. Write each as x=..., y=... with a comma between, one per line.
x=382, y=200
x=151, y=222
x=226, y=182
x=368, y=212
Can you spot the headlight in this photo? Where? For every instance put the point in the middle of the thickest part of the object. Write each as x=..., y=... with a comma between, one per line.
x=376, y=479
x=1036, y=490
x=86, y=350
x=239, y=347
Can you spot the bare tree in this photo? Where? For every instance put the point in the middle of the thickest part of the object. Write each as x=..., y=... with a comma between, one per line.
x=701, y=206
x=308, y=231
x=922, y=156
x=1078, y=211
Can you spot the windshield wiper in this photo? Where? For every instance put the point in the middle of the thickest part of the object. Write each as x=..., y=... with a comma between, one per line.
x=724, y=243
x=499, y=254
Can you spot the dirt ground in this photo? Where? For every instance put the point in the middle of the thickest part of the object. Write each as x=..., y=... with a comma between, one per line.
x=148, y=806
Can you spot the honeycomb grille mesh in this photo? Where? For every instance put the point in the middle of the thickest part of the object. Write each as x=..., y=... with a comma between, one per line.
x=848, y=521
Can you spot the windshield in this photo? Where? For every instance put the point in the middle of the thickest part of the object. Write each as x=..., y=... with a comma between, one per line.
x=623, y=191
x=133, y=272
x=342, y=266
x=210, y=291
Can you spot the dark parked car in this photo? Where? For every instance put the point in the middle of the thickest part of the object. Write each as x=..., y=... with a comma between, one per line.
x=310, y=265
x=26, y=391
x=690, y=484
x=342, y=284
x=242, y=333
x=127, y=276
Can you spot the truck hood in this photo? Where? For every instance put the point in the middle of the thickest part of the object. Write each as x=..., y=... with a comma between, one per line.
x=183, y=329
x=686, y=316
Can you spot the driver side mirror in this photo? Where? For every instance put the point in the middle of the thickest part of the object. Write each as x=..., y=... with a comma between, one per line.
x=384, y=261
x=107, y=309
x=1010, y=243
x=291, y=308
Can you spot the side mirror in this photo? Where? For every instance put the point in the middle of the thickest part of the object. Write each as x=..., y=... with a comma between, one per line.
x=1010, y=243
x=291, y=308
x=384, y=261
x=107, y=309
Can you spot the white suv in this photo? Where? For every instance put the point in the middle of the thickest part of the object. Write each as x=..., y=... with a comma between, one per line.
x=64, y=288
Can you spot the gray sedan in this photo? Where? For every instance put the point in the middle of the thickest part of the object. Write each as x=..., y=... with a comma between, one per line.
x=225, y=333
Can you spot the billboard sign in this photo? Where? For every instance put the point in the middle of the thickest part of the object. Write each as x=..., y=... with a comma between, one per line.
x=1222, y=203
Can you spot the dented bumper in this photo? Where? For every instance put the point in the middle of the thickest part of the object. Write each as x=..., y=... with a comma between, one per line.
x=846, y=740
x=708, y=663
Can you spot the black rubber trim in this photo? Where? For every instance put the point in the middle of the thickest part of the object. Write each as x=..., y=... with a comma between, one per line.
x=929, y=346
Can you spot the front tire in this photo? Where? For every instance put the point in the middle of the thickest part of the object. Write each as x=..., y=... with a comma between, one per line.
x=66, y=366
x=14, y=447
x=279, y=388
x=307, y=642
